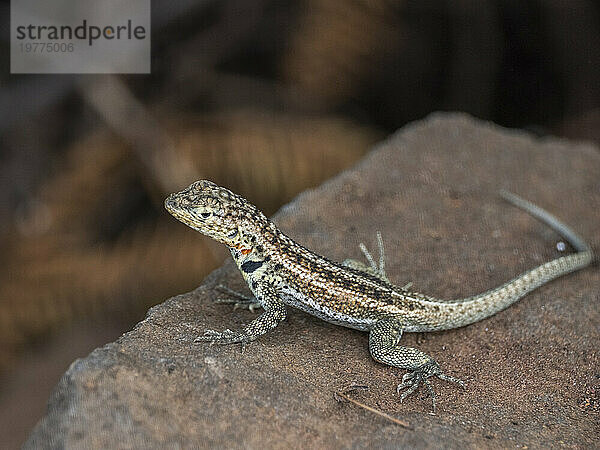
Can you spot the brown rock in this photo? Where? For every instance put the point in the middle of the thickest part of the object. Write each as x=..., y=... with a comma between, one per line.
x=532, y=371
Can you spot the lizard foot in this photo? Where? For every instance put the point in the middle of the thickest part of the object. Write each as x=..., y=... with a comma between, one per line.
x=223, y=337
x=412, y=380
x=237, y=299
x=407, y=286
x=250, y=306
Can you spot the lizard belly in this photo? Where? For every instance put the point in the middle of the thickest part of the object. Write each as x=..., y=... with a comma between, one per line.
x=297, y=299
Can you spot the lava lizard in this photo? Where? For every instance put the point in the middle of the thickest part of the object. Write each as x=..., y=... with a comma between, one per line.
x=281, y=272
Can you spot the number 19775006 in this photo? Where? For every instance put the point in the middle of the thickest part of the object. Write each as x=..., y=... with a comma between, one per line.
x=46, y=47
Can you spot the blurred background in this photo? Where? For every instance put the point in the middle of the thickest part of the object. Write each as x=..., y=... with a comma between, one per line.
x=266, y=97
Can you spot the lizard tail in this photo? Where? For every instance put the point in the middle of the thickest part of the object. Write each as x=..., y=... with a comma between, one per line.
x=545, y=217
x=472, y=309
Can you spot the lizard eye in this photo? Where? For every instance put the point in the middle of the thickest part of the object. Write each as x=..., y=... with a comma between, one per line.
x=233, y=233
x=206, y=215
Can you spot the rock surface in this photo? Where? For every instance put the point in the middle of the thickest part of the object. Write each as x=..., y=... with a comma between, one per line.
x=532, y=371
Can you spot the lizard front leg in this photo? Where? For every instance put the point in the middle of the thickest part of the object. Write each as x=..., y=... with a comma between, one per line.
x=383, y=345
x=275, y=312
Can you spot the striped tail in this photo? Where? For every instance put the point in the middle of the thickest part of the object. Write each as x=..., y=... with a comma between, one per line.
x=473, y=309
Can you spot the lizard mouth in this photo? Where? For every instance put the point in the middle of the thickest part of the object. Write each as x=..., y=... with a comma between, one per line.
x=170, y=203
x=173, y=207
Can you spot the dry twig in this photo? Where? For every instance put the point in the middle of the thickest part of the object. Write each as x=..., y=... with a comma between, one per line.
x=339, y=396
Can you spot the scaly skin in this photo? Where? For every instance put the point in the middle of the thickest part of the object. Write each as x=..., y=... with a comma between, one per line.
x=281, y=272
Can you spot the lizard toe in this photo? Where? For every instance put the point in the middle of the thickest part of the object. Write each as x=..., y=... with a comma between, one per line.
x=410, y=385
x=451, y=379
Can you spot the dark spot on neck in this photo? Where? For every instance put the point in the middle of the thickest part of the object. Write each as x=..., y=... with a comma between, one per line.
x=251, y=266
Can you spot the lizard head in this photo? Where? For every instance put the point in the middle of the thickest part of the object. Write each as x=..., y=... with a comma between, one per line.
x=218, y=213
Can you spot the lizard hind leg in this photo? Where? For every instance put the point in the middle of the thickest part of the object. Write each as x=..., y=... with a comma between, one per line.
x=384, y=338
x=374, y=268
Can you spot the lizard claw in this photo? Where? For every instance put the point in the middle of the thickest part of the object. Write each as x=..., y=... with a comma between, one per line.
x=412, y=380
x=443, y=376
